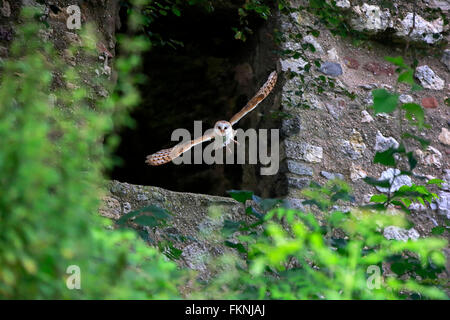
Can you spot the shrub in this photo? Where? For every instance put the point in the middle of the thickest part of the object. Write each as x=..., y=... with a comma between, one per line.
x=51, y=163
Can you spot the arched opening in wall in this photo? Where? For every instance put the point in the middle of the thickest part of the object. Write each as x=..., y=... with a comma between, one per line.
x=196, y=81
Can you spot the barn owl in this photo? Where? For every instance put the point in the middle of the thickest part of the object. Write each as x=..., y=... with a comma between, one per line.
x=223, y=133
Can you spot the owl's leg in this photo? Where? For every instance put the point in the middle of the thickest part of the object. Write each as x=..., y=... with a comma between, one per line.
x=228, y=149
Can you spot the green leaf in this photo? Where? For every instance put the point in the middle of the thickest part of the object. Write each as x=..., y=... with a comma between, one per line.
x=146, y=221
x=176, y=11
x=337, y=217
x=379, y=198
x=383, y=101
x=156, y=212
x=380, y=183
x=238, y=246
x=423, y=142
x=230, y=227
x=437, y=182
x=411, y=160
x=413, y=110
x=241, y=195
x=252, y=211
x=407, y=77
x=437, y=231
x=398, y=61
x=386, y=157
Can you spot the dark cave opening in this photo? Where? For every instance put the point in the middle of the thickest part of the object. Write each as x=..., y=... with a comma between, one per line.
x=196, y=81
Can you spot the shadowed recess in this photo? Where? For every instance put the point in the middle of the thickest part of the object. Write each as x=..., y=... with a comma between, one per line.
x=194, y=81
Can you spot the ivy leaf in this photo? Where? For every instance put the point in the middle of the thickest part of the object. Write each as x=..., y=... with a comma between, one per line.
x=437, y=182
x=240, y=195
x=380, y=183
x=230, y=227
x=407, y=77
x=156, y=212
x=437, y=231
x=411, y=160
x=146, y=221
x=384, y=101
x=252, y=211
x=398, y=61
x=266, y=204
x=413, y=110
x=238, y=246
x=379, y=198
x=386, y=157
x=176, y=11
x=423, y=142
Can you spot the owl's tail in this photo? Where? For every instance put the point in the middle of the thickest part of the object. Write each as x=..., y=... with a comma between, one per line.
x=160, y=157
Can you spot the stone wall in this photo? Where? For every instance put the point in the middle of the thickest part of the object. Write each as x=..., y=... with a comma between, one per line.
x=335, y=133
x=103, y=15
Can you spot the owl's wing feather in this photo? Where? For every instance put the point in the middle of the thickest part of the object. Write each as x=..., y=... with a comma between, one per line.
x=260, y=96
x=167, y=155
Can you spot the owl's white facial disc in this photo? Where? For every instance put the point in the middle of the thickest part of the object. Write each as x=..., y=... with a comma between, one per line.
x=223, y=128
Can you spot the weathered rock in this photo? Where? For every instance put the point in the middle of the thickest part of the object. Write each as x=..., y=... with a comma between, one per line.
x=446, y=178
x=299, y=168
x=446, y=58
x=379, y=68
x=396, y=233
x=335, y=110
x=291, y=126
x=423, y=31
x=431, y=156
x=444, y=136
x=443, y=203
x=294, y=203
x=295, y=65
x=371, y=19
x=333, y=55
x=312, y=40
x=396, y=183
x=303, y=151
x=343, y=4
x=194, y=216
x=356, y=173
x=444, y=5
x=298, y=183
x=332, y=175
x=382, y=143
x=355, y=147
x=366, y=117
x=405, y=98
x=111, y=208
x=351, y=63
x=430, y=102
x=368, y=86
x=428, y=79
x=331, y=69
x=5, y=10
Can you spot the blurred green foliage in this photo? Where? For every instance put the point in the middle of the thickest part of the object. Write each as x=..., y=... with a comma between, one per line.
x=51, y=163
x=330, y=254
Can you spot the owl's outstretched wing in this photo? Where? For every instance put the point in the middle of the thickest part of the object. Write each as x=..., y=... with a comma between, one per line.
x=167, y=155
x=260, y=96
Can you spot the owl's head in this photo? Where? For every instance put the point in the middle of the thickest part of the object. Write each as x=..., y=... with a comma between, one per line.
x=222, y=128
